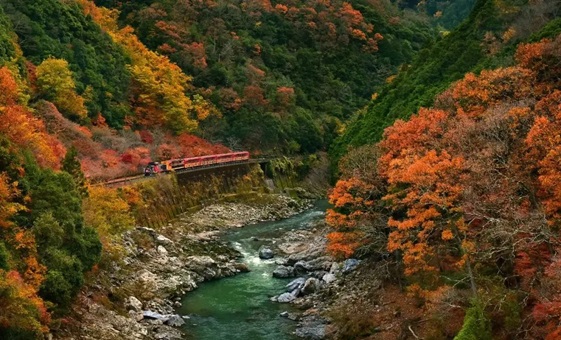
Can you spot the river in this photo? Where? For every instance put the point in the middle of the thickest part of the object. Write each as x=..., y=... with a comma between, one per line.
x=239, y=307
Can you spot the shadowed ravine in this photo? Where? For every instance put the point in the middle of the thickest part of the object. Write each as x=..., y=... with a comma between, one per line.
x=239, y=307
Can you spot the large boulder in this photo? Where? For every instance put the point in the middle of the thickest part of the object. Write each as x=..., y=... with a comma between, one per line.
x=155, y=316
x=302, y=267
x=283, y=272
x=266, y=253
x=296, y=284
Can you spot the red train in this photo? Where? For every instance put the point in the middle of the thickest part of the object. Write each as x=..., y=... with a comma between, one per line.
x=172, y=165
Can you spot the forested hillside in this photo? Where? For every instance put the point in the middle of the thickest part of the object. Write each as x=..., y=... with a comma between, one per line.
x=457, y=199
x=285, y=75
x=65, y=86
x=486, y=39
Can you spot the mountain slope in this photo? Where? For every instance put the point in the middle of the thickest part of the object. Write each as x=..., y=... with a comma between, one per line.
x=483, y=40
x=271, y=67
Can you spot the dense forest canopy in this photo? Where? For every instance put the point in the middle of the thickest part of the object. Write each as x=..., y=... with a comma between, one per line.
x=486, y=39
x=465, y=196
x=285, y=75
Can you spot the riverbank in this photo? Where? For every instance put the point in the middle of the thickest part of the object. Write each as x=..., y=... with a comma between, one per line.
x=136, y=296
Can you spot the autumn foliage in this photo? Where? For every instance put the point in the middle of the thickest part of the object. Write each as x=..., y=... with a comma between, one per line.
x=471, y=187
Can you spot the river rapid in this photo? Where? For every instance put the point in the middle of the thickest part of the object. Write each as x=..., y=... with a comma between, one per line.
x=239, y=307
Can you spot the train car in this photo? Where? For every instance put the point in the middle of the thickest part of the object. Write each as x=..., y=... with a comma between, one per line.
x=177, y=163
x=154, y=168
x=172, y=165
x=192, y=162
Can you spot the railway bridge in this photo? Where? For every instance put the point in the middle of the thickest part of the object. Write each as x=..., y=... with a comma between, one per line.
x=226, y=171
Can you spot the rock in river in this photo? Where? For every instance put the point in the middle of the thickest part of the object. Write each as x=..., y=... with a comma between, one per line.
x=175, y=321
x=155, y=316
x=266, y=253
x=283, y=272
x=286, y=297
x=296, y=284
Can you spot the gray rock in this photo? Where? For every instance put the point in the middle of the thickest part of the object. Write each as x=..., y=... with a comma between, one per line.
x=296, y=284
x=161, y=239
x=320, y=263
x=283, y=272
x=266, y=253
x=175, y=321
x=302, y=267
x=162, y=250
x=155, y=316
x=286, y=298
x=318, y=274
x=281, y=261
x=132, y=303
x=349, y=265
x=328, y=278
x=293, y=316
x=202, y=265
x=312, y=285
x=335, y=268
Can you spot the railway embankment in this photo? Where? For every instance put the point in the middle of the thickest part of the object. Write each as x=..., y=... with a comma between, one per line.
x=137, y=296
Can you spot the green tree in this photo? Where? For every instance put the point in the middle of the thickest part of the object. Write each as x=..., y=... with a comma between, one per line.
x=71, y=164
x=4, y=257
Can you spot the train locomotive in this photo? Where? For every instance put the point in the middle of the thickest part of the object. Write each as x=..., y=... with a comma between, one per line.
x=172, y=165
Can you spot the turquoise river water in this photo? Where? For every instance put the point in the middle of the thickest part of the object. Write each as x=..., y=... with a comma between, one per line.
x=239, y=307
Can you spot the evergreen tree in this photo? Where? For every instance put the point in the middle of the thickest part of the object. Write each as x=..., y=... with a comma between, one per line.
x=72, y=165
